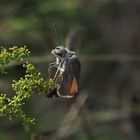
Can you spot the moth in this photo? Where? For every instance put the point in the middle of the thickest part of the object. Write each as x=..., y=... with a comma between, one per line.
x=67, y=73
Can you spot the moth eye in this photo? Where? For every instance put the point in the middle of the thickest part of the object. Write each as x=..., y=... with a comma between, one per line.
x=60, y=54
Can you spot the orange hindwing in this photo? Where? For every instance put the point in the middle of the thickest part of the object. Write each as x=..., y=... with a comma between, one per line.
x=73, y=87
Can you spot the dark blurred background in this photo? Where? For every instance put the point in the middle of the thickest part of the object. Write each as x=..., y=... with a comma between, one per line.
x=108, y=45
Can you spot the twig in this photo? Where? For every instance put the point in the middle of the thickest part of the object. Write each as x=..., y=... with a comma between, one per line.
x=65, y=126
x=73, y=37
x=34, y=136
x=98, y=57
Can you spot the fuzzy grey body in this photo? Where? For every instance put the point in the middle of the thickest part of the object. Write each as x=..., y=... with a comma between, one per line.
x=68, y=67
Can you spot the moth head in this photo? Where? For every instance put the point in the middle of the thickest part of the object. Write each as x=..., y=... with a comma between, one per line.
x=59, y=52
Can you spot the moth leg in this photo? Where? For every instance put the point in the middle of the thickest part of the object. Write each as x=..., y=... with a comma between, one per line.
x=61, y=69
x=58, y=70
x=59, y=79
x=64, y=96
x=56, y=75
x=51, y=65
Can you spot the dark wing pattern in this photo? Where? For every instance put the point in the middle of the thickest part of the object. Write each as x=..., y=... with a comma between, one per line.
x=70, y=82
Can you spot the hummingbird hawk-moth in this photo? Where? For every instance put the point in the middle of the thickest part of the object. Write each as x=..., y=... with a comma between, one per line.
x=67, y=73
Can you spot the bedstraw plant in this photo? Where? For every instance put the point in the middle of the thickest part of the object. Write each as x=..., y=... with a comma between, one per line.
x=24, y=88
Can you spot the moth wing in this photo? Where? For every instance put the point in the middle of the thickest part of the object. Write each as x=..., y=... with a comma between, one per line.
x=70, y=81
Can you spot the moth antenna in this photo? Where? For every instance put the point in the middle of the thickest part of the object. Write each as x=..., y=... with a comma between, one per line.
x=57, y=36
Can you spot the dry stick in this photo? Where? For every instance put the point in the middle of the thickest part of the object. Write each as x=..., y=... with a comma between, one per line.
x=94, y=57
x=65, y=126
x=34, y=136
x=127, y=125
x=73, y=37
